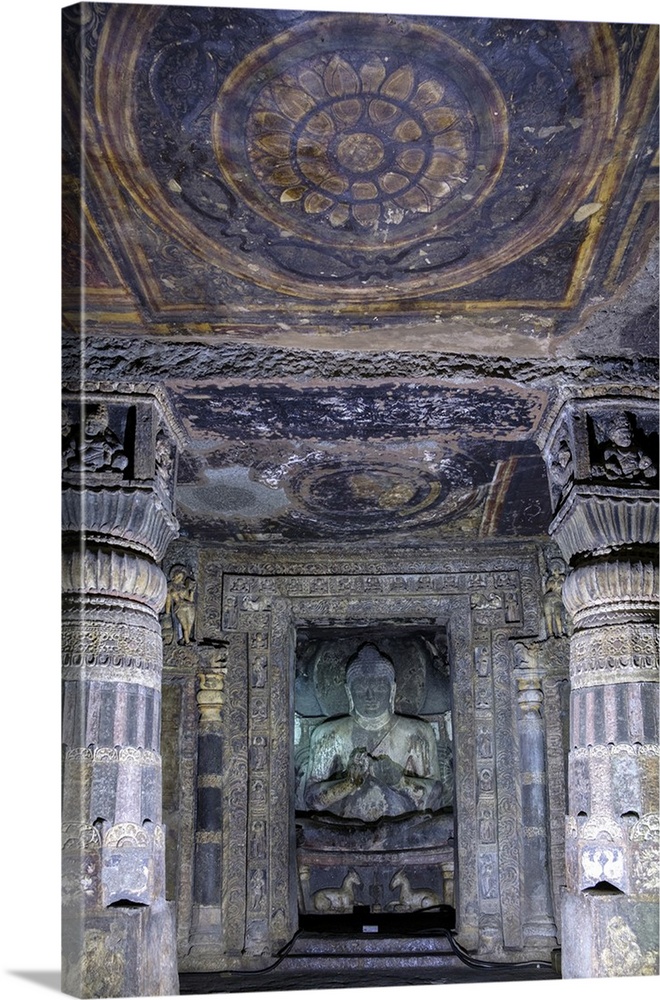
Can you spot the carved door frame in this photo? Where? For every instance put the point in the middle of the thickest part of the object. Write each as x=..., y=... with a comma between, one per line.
x=482, y=611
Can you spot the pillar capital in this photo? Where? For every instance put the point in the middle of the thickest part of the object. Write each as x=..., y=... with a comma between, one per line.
x=601, y=455
x=118, y=471
x=609, y=590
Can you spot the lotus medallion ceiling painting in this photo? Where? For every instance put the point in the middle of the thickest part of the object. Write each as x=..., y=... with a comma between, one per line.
x=360, y=158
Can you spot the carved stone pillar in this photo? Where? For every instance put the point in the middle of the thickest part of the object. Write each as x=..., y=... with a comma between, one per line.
x=601, y=455
x=207, y=907
x=118, y=472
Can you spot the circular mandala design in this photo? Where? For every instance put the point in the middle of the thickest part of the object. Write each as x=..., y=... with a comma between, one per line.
x=360, y=138
x=366, y=495
x=264, y=215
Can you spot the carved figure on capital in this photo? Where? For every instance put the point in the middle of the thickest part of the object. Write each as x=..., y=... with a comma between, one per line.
x=164, y=461
x=561, y=463
x=622, y=450
x=93, y=446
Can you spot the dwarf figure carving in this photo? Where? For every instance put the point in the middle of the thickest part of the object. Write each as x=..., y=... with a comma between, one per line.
x=622, y=455
x=94, y=446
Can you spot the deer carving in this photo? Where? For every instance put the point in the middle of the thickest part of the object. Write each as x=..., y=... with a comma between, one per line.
x=411, y=899
x=338, y=900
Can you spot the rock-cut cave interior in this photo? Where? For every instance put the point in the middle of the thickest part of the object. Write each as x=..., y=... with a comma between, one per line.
x=360, y=499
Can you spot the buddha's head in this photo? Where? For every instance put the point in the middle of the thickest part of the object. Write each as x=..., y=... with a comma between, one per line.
x=370, y=683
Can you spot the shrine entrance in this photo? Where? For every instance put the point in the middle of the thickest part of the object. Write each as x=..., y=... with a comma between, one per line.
x=374, y=794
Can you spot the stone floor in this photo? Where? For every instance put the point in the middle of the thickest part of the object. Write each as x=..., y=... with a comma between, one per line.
x=317, y=963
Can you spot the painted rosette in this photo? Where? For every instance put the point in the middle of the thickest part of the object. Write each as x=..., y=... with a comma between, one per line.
x=352, y=140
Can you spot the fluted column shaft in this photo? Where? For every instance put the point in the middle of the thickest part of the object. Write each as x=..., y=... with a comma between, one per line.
x=118, y=476
x=602, y=462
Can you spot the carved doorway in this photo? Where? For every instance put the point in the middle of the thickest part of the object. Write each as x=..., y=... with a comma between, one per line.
x=374, y=789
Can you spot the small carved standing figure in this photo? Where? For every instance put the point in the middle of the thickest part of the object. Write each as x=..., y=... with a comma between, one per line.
x=487, y=828
x=553, y=608
x=164, y=460
x=257, y=889
x=562, y=461
x=180, y=603
x=258, y=839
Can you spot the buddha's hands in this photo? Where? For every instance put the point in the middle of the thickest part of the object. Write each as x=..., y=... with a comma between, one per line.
x=358, y=767
x=385, y=770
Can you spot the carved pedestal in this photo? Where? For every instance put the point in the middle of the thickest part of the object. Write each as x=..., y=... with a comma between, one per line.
x=118, y=930
x=602, y=461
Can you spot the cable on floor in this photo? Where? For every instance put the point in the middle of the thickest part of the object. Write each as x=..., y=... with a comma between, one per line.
x=458, y=950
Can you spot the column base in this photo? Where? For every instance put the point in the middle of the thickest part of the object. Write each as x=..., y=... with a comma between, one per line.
x=540, y=933
x=606, y=934
x=121, y=951
x=207, y=929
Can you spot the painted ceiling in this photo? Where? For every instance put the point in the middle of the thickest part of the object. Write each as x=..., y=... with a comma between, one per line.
x=359, y=254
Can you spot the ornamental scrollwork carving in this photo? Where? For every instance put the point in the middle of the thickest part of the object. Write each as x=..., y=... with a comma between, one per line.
x=614, y=654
